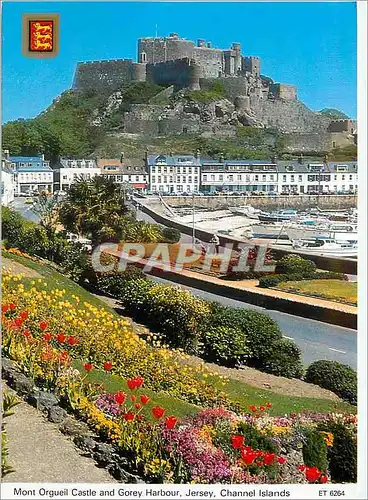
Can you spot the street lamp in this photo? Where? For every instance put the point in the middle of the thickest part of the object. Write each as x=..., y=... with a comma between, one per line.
x=193, y=228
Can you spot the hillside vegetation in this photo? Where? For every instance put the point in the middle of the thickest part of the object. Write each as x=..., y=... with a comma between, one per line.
x=87, y=124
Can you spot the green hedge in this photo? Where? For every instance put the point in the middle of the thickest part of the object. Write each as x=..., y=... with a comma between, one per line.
x=274, y=279
x=334, y=376
x=225, y=345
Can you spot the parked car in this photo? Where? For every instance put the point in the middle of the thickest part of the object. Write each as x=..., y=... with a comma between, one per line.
x=28, y=201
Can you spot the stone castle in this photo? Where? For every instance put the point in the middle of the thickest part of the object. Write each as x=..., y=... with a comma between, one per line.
x=250, y=99
x=183, y=64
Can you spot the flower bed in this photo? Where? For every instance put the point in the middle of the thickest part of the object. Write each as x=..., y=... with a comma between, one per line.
x=44, y=333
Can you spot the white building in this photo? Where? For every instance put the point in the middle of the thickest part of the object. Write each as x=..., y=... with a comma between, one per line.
x=69, y=171
x=7, y=183
x=299, y=177
x=239, y=176
x=32, y=174
x=174, y=173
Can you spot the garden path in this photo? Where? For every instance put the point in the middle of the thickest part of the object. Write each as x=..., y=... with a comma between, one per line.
x=40, y=453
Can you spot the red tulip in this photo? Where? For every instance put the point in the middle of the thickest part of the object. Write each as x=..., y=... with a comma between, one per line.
x=18, y=322
x=132, y=398
x=144, y=399
x=170, y=422
x=63, y=357
x=323, y=479
x=27, y=333
x=293, y=415
x=268, y=458
x=12, y=306
x=60, y=337
x=47, y=336
x=72, y=341
x=107, y=366
x=312, y=474
x=262, y=408
x=5, y=308
x=248, y=456
x=137, y=406
x=120, y=397
x=281, y=460
x=268, y=405
x=88, y=367
x=24, y=315
x=253, y=408
x=134, y=383
x=158, y=411
x=43, y=325
x=302, y=467
x=237, y=442
x=129, y=417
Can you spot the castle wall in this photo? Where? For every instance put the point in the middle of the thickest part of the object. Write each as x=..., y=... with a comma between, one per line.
x=289, y=116
x=163, y=49
x=233, y=85
x=211, y=61
x=311, y=142
x=342, y=126
x=178, y=73
x=105, y=75
x=282, y=91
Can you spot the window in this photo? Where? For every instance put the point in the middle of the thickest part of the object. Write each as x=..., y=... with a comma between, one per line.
x=335, y=177
x=153, y=187
x=284, y=178
x=189, y=170
x=343, y=177
x=153, y=178
x=204, y=178
x=70, y=163
x=292, y=178
x=212, y=177
x=190, y=179
x=300, y=178
x=184, y=170
x=350, y=177
x=240, y=177
x=196, y=179
x=256, y=178
x=171, y=178
x=263, y=178
x=231, y=177
x=143, y=57
x=159, y=179
x=136, y=178
x=180, y=188
x=165, y=170
x=221, y=177
x=153, y=170
x=271, y=177
x=130, y=178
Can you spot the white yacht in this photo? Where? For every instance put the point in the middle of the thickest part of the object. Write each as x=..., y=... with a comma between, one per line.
x=326, y=247
x=337, y=231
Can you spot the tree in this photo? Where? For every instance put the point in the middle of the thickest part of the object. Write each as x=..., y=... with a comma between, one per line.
x=95, y=208
x=46, y=208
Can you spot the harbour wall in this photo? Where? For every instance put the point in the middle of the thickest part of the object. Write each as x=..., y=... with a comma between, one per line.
x=326, y=202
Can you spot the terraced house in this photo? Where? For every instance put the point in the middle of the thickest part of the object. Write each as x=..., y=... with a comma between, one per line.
x=70, y=170
x=32, y=174
x=174, y=173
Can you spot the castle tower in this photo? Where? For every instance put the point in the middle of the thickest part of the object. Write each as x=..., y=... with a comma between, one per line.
x=195, y=74
x=229, y=62
x=252, y=65
x=139, y=73
x=237, y=58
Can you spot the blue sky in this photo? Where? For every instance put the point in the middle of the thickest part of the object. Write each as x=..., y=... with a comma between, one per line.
x=311, y=45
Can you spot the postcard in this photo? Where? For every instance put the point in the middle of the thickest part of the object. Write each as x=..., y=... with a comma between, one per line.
x=183, y=215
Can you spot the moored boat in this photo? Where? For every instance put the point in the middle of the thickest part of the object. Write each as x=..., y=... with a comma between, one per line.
x=327, y=247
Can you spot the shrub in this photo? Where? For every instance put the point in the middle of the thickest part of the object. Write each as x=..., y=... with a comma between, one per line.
x=225, y=346
x=171, y=235
x=294, y=264
x=315, y=450
x=12, y=226
x=342, y=455
x=268, y=351
x=334, y=376
x=283, y=359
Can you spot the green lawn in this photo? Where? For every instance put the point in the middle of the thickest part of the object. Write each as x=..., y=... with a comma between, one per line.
x=237, y=391
x=336, y=290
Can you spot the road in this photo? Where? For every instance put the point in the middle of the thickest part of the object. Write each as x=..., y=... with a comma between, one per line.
x=317, y=340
